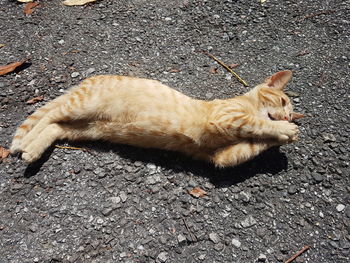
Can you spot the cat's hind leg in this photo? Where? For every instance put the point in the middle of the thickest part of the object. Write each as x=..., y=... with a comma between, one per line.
x=30, y=122
x=236, y=154
x=78, y=130
x=73, y=106
x=35, y=149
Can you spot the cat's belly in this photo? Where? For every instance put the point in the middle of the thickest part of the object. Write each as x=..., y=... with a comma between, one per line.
x=143, y=135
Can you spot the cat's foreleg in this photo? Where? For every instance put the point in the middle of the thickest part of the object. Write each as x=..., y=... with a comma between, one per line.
x=258, y=128
x=236, y=154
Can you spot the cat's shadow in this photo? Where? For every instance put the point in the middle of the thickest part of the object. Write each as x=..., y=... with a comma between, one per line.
x=272, y=162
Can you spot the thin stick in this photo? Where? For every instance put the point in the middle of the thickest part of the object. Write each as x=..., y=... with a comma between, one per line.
x=297, y=254
x=227, y=68
x=69, y=147
x=76, y=148
x=326, y=12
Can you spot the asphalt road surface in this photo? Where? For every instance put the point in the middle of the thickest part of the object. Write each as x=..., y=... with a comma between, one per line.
x=114, y=203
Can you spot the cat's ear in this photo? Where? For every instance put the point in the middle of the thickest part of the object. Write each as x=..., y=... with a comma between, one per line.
x=295, y=116
x=279, y=80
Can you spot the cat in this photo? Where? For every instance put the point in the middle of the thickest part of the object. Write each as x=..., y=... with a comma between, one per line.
x=147, y=113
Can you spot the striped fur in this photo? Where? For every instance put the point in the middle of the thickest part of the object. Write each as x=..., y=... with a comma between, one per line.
x=146, y=113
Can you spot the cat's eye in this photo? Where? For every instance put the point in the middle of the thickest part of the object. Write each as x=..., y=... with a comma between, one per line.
x=284, y=102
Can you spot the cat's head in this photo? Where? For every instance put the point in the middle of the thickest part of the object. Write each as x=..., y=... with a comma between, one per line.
x=275, y=103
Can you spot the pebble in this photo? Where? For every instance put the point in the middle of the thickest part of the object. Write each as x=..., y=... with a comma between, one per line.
x=292, y=190
x=334, y=244
x=115, y=199
x=201, y=257
x=107, y=211
x=318, y=177
x=214, y=237
x=138, y=163
x=292, y=94
x=181, y=239
x=209, y=95
x=130, y=177
x=123, y=196
x=248, y=222
x=328, y=137
x=153, y=179
x=33, y=227
x=245, y=196
x=162, y=257
x=101, y=175
x=262, y=258
x=75, y=74
x=321, y=214
x=340, y=207
x=151, y=166
x=90, y=71
x=219, y=246
x=236, y=242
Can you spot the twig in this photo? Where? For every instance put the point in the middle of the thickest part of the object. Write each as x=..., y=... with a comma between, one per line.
x=326, y=12
x=302, y=53
x=297, y=254
x=69, y=147
x=227, y=68
x=193, y=237
x=76, y=148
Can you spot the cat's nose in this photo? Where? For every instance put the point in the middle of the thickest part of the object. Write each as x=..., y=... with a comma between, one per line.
x=286, y=118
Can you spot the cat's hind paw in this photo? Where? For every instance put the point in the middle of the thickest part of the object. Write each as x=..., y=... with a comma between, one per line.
x=29, y=158
x=15, y=147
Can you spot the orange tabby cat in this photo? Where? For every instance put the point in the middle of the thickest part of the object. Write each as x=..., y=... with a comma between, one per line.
x=146, y=113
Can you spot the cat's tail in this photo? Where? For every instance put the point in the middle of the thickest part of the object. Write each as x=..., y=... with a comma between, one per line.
x=31, y=121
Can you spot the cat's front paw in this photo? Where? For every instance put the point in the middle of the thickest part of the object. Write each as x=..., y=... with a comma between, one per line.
x=287, y=132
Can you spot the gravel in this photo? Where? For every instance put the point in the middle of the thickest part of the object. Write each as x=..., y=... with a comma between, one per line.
x=116, y=203
x=214, y=237
x=236, y=243
x=340, y=207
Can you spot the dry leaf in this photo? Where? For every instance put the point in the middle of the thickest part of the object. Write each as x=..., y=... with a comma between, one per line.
x=197, y=192
x=262, y=1
x=174, y=70
x=10, y=67
x=4, y=153
x=213, y=70
x=29, y=8
x=2, y=45
x=35, y=100
x=77, y=2
x=25, y=1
